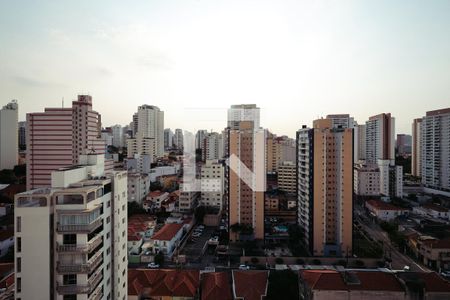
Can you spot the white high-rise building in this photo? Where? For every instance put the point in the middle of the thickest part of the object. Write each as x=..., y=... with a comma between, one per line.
x=391, y=179
x=212, y=147
x=71, y=238
x=380, y=138
x=117, y=136
x=178, y=139
x=435, y=150
x=9, y=140
x=243, y=112
x=212, y=184
x=148, y=123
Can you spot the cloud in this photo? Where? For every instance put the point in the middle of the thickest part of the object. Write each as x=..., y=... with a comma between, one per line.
x=32, y=82
x=155, y=61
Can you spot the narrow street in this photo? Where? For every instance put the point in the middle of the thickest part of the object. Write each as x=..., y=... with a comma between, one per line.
x=399, y=260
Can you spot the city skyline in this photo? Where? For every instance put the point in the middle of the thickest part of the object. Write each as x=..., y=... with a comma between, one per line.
x=296, y=61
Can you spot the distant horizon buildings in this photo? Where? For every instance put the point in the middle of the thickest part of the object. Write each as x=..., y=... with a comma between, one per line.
x=9, y=130
x=58, y=136
x=325, y=188
x=403, y=144
x=148, y=132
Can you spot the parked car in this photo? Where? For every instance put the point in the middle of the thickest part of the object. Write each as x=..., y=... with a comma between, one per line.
x=244, y=267
x=153, y=266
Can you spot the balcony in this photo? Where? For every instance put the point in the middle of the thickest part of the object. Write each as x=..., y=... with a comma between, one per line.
x=80, y=228
x=81, y=268
x=69, y=289
x=86, y=248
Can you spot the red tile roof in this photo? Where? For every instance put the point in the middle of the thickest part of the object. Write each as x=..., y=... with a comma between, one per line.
x=438, y=244
x=167, y=232
x=381, y=205
x=158, y=283
x=250, y=285
x=365, y=280
x=6, y=275
x=216, y=286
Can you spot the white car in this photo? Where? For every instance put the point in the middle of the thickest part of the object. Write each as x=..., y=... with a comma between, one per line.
x=153, y=266
x=244, y=267
x=406, y=268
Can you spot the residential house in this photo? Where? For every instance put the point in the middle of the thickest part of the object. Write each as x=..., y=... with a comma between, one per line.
x=167, y=238
x=215, y=286
x=385, y=211
x=250, y=285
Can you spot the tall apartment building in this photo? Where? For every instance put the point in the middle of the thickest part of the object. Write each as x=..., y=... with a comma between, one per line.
x=212, y=184
x=58, y=136
x=287, y=177
x=168, y=138
x=403, y=144
x=325, y=188
x=189, y=197
x=117, y=136
x=360, y=137
x=9, y=149
x=366, y=180
x=416, y=151
x=359, y=143
x=71, y=238
x=199, y=137
x=148, y=124
x=141, y=146
x=138, y=187
x=212, y=146
x=380, y=138
x=22, y=135
x=435, y=149
x=391, y=179
x=178, y=139
x=246, y=171
x=278, y=150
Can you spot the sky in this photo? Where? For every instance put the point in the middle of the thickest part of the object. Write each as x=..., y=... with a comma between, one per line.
x=297, y=60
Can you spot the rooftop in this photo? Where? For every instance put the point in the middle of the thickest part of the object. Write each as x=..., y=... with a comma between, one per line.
x=250, y=285
x=216, y=286
x=160, y=283
x=435, y=207
x=167, y=232
x=381, y=205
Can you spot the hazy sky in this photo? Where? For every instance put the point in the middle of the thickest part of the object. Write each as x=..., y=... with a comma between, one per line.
x=297, y=60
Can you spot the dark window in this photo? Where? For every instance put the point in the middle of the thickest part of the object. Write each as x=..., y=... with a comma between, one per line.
x=70, y=279
x=70, y=297
x=19, y=244
x=70, y=239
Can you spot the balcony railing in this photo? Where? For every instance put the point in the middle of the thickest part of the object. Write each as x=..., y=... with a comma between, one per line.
x=97, y=294
x=86, y=248
x=81, y=268
x=69, y=289
x=81, y=228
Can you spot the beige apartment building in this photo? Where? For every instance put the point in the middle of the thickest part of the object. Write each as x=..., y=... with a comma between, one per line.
x=325, y=187
x=246, y=186
x=71, y=238
x=278, y=150
x=287, y=177
x=416, y=154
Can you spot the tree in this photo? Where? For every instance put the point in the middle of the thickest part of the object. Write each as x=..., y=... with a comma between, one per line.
x=283, y=285
x=200, y=213
x=135, y=209
x=155, y=186
x=359, y=263
x=279, y=261
x=159, y=258
x=316, y=262
x=7, y=176
x=300, y=261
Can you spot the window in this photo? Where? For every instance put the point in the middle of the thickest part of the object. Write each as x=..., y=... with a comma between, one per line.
x=19, y=244
x=19, y=284
x=70, y=297
x=108, y=219
x=19, y=264
x=19, y=224
x=70, y=239
x=70, y=279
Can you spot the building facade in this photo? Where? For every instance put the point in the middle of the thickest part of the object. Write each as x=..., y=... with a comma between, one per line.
x=325, y=188
x=287, y=177
x=212, y=146
x=416, y=157
x=212, y=184
x=58, y=136
x=9, y=143
x=435, y=150
x=380, y=138
x=246, y=171
x=71, y=239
